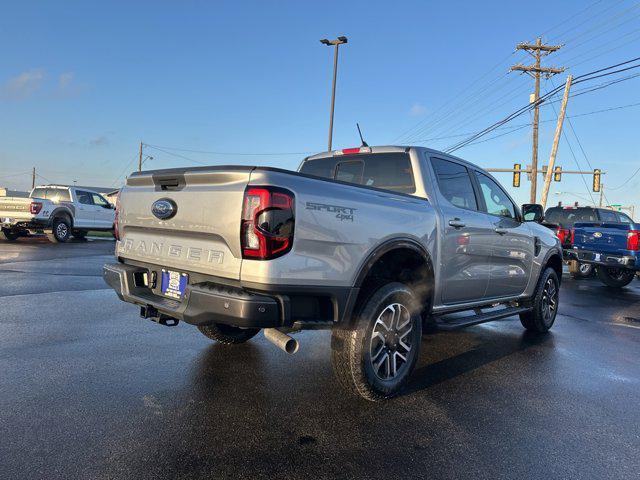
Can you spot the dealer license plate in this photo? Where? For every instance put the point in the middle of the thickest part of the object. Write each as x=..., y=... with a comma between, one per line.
x=173, y=283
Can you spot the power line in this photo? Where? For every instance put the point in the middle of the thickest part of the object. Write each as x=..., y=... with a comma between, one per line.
x=626, y=181
x=435, y=122
x=597, y=15
x=176, y=154
x=619, y=107
x=124, y=170
x=572, y=17
x=579, y=79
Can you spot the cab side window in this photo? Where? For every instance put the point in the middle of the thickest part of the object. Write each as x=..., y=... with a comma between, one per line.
x=99, y=201
x=454, y=183
x=624, y=218
x=495, y=199
x=84, y=197
x=608, y=216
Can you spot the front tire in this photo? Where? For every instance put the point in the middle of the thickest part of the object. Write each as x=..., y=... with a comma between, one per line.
x=10, y=235
x=545, y=303
x=615, y=277
x=61, y=231
x=227, y=334
x=375, y=357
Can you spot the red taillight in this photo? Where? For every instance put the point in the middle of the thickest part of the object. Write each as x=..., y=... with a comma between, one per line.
x=572, y=237
x=633, y=240
x=35, y=208
x=353, y=151
x=565, y=236
x=266, y=230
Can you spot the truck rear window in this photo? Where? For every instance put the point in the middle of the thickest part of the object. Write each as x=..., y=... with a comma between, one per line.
x=54, y=194
x=389, y=171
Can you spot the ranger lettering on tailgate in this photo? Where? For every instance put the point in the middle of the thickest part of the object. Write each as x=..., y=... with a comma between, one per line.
x=159, y=249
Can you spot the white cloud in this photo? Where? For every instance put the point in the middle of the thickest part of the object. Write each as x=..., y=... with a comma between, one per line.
x=99, y=141
x=65, y=79
x=417, y=110
x=24, y=85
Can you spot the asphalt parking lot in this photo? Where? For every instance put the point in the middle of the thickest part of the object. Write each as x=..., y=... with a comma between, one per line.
x=90, y=390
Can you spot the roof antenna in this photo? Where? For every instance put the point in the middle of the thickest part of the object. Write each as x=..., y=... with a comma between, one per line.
x=364, y=144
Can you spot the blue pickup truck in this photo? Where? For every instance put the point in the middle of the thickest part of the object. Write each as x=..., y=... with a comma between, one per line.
x=613, y=247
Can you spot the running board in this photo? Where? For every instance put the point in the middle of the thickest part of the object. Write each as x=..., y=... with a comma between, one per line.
x=455, y=323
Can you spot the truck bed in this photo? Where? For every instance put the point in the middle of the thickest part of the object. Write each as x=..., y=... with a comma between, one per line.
x=336, y=224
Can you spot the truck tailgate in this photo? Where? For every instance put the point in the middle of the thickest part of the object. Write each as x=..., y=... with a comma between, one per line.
x=15, y=207
x=202, y=235
x=601, y=237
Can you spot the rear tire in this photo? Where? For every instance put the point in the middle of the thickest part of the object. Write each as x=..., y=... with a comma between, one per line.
x=227, y=334
x=61, y=231
x=10, y=235
x=580, y=270
x=375, y=357
x=615, y=277
x=545, y=303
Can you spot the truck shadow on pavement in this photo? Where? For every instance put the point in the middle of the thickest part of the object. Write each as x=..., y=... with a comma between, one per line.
x=474, y=349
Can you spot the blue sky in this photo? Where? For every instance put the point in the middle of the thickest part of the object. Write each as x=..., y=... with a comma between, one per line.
x=81, y=83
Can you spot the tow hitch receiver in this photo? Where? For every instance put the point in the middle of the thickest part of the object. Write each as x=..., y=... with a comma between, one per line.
x=152, y=314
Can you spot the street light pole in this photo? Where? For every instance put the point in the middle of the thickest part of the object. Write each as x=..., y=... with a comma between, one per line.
x=337, y=42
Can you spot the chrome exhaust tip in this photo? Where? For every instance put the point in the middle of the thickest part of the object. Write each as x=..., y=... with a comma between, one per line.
x=281, y=340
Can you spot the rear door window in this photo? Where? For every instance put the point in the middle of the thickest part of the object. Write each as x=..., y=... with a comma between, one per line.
x=608, y=216
x=454, y=183
x=388, y=171
x=623, y=218
x=84, y=198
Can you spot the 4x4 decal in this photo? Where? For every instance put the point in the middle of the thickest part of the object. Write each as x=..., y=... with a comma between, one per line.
x=342, y=213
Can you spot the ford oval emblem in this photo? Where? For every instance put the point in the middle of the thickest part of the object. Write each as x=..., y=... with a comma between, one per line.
x=597, y=234
x=164, y=208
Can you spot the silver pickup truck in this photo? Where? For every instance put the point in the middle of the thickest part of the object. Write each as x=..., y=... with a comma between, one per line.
x=374, y=243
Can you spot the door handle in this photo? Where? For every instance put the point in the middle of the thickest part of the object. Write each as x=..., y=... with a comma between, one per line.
x=456, y=223
x=501, y=231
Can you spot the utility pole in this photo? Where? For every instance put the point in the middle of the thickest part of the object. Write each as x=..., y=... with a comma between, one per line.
x=337, y=42
x=140, y=158
x=556, y=140
x=33, y=178
x=537, y=50
x=601, y=194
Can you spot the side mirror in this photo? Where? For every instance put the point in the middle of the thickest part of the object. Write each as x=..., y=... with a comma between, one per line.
x=532, y=212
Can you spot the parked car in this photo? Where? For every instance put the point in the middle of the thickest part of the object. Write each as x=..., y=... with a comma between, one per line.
x=613, y=247
x=58, y=210
x=368, y=242
x=564, y=218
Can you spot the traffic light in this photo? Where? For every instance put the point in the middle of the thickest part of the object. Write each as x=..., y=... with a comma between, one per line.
x=557, y=174
x=596, y=180
x=516, y=174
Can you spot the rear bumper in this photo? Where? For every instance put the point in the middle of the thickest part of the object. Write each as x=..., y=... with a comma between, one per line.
x=207, y=302
x=606, y=259
x=24, y=224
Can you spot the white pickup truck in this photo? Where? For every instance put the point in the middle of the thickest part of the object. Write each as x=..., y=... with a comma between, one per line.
x=58, y=210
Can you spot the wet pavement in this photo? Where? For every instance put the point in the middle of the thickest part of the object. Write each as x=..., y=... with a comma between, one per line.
x=90, y=390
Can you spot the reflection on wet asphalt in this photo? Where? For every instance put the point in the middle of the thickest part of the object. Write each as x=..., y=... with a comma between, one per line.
x=89, y=390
